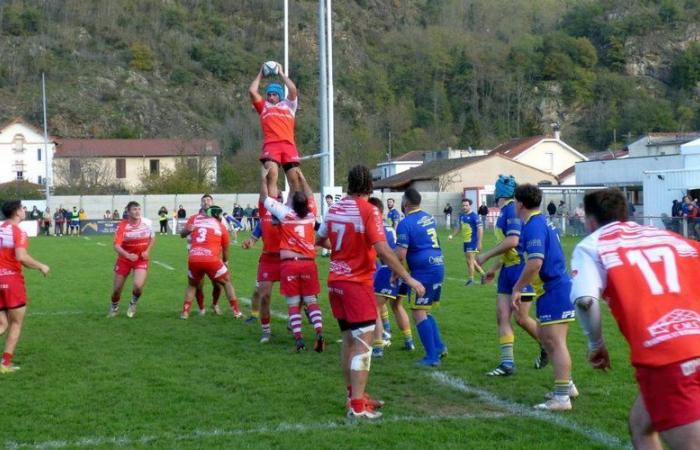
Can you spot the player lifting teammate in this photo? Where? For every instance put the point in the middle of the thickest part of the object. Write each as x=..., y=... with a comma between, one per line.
x=208, y=255
x=133, y=241
x=353, y=231
x=649, y=277
x=298, y=272
x=508, y=229
x=13, y=294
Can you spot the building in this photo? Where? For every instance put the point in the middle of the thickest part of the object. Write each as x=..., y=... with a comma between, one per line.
x=660, y=144
x=22, y=153
x=474, y=176
x=416, y=158
x=547, y=153
x=125, y=161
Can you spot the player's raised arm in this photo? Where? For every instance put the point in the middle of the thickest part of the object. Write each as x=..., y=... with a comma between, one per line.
x=291, y=87
x=253, y=90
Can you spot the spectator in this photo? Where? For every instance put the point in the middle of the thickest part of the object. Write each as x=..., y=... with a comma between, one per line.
x=579, y=220
x=125, y=214
x=248, y=213
x=58, y=221
x=181, y=213
x=75, y=221
x=46, y=221
x=108, y=215
x=115, y=214
x=256, y=217
x=551, y=209
x=163, y=219
x=35, y=214
x=68, y=216
x=238, y=214
x=676, y=209
x=483, y=212
x=448, y=216
x=82, y=215
x=631, y=209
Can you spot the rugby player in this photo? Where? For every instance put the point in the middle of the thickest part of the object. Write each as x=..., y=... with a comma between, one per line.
x=392, y=214
x=208, y=255
x=510, y=266
x=418, y=244
x=545, y=270
x=298, y=271
x=649, y=278
x=277, y=119
x=13, y=294
x=133, y=241
x=353, y=231
x=472, y=232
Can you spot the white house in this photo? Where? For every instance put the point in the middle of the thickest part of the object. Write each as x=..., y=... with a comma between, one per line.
x=547, y=153
x=22, y=153
x=660, y=144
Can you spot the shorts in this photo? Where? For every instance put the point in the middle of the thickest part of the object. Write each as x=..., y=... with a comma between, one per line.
x=215, y=270
x=507, y=279
x=74, y=223
x=13, y=293
x=554, y=306
x=382, y=284
x=671, y=393
x=470, y=247
x=281, y=152
x=299, y=277
x=432, y=281
x=352, y=302
x=269, y=268
x=123, y=266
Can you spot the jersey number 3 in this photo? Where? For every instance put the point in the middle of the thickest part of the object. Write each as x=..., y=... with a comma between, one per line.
x=645, y=258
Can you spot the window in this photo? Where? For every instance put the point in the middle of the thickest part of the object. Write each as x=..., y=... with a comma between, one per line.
x=74, y=168
x=18, y=143
x=38, y=155
x=192, y=164
x=549, y=161
x=20, y=175
x=154, y=166
x=121, y=168
x=40, y=180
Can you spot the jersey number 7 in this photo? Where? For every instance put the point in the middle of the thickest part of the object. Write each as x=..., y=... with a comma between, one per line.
x=644, y=258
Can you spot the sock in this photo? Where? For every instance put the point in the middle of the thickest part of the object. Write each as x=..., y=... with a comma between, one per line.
x=316, y=317
x=265, y=324
x=255, y=314
x=506, y=343
x=439, y=345
x=6, y=359
x=561, y=389
x=357, y=404
x=378, y=343
x=407, y=334
x=199, y=295
x=295, y=320
x=134, y=299
x=115, y=301
x=425, y=331
x=186, y=306
x=385, y=318
x=234, y=305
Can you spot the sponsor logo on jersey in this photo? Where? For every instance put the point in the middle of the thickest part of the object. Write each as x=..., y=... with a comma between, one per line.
x=677, y=323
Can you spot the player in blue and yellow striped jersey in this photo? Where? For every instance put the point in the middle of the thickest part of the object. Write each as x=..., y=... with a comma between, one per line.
x=392, y=214
x=510, y=265
x=546, y=270
x=417, y=243
x=472, y=232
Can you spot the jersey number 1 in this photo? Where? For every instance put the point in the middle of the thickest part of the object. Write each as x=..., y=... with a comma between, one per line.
x=644, y=258
x=339, y=229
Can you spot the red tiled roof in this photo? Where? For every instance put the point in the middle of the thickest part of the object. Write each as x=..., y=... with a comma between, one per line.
x=567, y=172
x=71, y=148
x=516, y=146
x=606, y=155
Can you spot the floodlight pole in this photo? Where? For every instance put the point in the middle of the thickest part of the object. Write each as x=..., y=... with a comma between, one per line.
x=286, y=63
x=322, y=92
x=329, y=61
x=47, y=163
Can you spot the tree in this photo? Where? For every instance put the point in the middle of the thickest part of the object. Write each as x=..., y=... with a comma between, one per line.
x=190, y=175
x=85, y=176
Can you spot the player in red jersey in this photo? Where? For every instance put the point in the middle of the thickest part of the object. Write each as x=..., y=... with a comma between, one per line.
x=208, y=255
x=13, y=295
x=298, y=271
x=649, y=278
x=277, y=119
x=205, y=203
x=268, y=267
x=354, y=232
x=133, y=241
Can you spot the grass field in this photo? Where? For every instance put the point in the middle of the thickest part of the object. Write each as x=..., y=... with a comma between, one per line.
x=158, y=382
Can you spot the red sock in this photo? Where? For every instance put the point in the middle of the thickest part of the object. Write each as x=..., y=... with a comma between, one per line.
x=199, y=295
x=295, y=320
x=186, y=306
x=265, y=323
x=316, y=317
x=234, y=305
x=6, y=359
x=357, y=404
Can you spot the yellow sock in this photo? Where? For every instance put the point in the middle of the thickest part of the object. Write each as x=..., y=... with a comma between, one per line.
x=385, y=313
x=407, y=334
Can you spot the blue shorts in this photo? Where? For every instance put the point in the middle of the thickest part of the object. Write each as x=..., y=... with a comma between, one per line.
x=470, y=247
x=382, y=285
x=554, y=306
x=507, y=279
x=432, y=281
x=74, y=223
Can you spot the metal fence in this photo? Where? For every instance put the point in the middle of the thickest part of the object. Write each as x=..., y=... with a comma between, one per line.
x=685, y=226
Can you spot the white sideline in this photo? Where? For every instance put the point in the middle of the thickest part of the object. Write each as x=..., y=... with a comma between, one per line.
x=163, y=265
x=517, y=409
x=196, y=435
x=247, y=302
x=101, y=244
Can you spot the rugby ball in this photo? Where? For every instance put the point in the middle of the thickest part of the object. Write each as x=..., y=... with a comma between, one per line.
x=270, y=68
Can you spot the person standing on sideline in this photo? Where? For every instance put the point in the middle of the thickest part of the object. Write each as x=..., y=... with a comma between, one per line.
x=46, y=221
x=13, y=294
x=551, y=210
x=75, y=221
x=68, y=217
x=163, y=219
x=448, y=216
x=58, y=221
x=392, y=214
x=472, y=233
x=483, y=213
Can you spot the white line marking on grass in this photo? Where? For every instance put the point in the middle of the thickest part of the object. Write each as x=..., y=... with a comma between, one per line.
x=197, y=435
x=454, y=279
x=164, y=265
x=87, y=238
x=517, y=409
x=56, y=313
x=102, y=244
x=278, y=315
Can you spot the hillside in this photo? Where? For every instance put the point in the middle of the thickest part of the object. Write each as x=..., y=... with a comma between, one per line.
x=429, y=72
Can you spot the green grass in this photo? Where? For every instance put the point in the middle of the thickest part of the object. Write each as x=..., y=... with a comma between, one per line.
x=159, y=382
